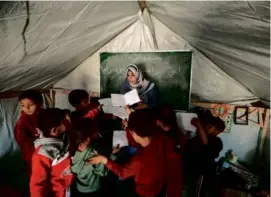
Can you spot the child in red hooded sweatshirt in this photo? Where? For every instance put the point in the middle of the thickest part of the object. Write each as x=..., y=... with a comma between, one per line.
x=26, y=127
x=51, y=173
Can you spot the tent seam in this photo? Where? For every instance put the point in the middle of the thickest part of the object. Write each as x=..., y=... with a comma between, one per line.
x=133, y=22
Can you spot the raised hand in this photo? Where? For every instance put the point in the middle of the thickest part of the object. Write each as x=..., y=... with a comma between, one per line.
x=97, y=160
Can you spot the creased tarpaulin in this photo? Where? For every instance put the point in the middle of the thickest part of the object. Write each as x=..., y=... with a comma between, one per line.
x=229, y=40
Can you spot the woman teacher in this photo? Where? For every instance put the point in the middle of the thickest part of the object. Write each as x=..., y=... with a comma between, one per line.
x=146, y=89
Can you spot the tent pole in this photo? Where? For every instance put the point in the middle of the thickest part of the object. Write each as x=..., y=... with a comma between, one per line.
x=142, y=4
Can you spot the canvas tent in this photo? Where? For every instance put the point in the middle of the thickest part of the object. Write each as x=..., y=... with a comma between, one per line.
x=57, y=44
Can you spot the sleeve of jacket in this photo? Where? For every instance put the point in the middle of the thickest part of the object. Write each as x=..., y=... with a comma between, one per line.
x=129, y=169
x=174, y=180
x=40, y=176
x=24, y=141
x=91, y=113
x=124, y=87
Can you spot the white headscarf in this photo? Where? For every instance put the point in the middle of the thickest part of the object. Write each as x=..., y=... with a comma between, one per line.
x=142, y=85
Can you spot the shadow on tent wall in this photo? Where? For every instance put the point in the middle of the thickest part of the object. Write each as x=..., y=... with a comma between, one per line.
x=13, y=172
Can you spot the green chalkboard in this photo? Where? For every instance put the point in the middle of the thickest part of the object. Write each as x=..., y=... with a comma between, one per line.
x=170, y=71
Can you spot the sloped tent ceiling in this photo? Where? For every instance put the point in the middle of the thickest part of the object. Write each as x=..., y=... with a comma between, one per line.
x=61, y=35
x=234, y=35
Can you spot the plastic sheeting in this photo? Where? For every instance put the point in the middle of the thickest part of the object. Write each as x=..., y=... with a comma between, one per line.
x=59, y=36
x=209, y=82
x=7, y=123
x=234, y=35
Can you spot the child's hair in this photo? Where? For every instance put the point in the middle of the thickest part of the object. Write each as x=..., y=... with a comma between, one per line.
x=77, y=96
x=207, y=118
x=219, y=124
x=50, y=118
x=167, y=116
x=94, y=100
x=142, y=122
x=82, y=130
x=33, y=95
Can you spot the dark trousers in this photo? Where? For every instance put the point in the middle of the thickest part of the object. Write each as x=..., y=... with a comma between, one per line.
x=76, y=193
x=202, y=186
x=161, y=194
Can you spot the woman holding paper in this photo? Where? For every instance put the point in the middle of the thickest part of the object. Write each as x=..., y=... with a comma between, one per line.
x=146, y=89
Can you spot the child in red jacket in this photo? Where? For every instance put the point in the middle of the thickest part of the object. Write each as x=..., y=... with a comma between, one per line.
x=155, y=165
x=26, y=127
x=51, y=173
x=79, y=99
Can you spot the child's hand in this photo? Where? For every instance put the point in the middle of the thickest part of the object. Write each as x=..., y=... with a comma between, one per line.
x=116, y=149
x=124, y=124
x=100, y=107
x=195, y=122
x=97, y=160
x=141, y=106
x=128, y=110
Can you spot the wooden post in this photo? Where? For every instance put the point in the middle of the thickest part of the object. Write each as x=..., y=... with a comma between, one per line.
x=264, y=131
x=142, y=4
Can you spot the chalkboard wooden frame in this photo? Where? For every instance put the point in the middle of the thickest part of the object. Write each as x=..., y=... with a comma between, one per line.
x=171, y=71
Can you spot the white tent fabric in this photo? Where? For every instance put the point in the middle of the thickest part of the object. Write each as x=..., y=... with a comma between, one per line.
x=234, y=35
x=57, y=44
x=59, y=36
x=208, y=80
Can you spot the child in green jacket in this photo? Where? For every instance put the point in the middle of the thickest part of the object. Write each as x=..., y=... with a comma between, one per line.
x=88, y=177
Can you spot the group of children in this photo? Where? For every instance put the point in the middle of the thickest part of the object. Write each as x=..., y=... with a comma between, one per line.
x=64, y=152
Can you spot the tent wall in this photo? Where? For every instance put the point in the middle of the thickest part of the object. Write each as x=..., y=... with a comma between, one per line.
x=234, y=35
x=8, y=120
x=208, y=81
x=58, y=37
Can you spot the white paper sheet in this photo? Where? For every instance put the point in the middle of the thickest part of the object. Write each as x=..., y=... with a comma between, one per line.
x=119, y=138
x=108, y=109
x=129, y=98
x=132, y=97
x=184, y=121
x=118, y=100
x=121, y=113
x=105, y=101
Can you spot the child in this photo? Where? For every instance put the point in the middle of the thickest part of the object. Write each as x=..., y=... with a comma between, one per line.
x=200, y=153
x=26, y=127
x=166, y=120
x=88, y=177
x=154, y=166
x=51, y=174
x=79, y=99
